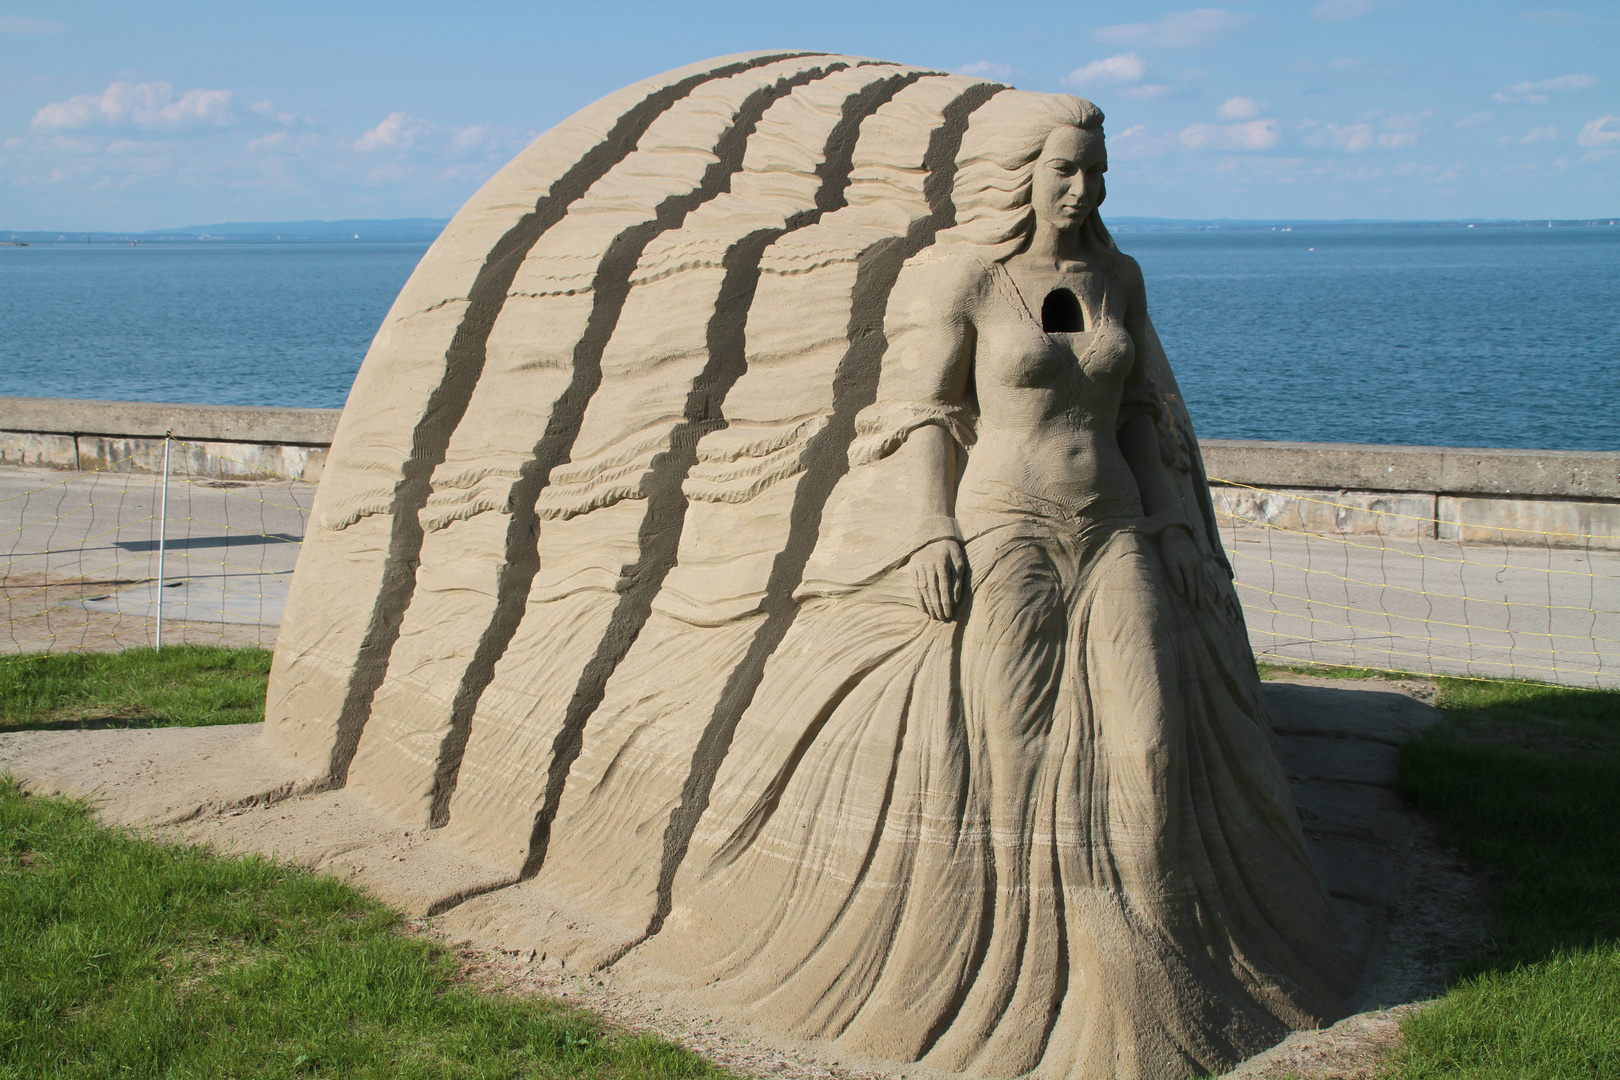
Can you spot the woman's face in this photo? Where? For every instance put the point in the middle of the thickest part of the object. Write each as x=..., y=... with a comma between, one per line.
x=1068, y=181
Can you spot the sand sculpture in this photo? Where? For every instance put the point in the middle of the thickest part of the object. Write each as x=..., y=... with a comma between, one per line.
x=767, y=523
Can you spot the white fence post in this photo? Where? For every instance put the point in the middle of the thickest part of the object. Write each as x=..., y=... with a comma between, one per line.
x=163, y=531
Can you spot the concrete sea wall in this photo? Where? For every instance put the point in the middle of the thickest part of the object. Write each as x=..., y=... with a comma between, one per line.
x=1534, y=497
x=226, y=441
x=1561, y=498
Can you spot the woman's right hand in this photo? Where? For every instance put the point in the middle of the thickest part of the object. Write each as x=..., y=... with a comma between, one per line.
x=939, y=572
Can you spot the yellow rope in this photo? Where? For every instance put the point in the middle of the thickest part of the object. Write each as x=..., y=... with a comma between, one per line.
x=1293, y=557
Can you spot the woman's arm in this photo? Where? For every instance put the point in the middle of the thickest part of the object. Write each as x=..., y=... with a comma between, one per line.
x=1139, y=442
x=938, y=569
x=924, y=381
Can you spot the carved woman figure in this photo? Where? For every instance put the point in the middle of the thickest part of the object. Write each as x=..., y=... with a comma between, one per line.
x=1007, y=799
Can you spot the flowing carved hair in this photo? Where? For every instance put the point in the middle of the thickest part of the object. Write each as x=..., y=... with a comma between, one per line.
x=996, y=166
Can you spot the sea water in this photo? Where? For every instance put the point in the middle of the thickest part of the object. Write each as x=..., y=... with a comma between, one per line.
x=1488, y=337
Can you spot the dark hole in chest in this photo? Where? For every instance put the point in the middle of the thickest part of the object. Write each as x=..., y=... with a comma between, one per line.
x=1060, y=313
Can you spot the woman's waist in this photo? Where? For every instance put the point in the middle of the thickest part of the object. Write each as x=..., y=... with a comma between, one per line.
x=989, y=502
x=1064, y=487
x=1055, y=455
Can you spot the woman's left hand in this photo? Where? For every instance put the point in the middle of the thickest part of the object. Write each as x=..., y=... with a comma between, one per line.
x=1185, y=565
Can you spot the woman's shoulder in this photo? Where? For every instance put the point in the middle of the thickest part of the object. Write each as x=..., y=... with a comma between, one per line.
x=1125, y=268
x=948, y=269
x=1120, y=271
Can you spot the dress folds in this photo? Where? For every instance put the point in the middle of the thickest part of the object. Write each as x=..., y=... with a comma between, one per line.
x=1048, y=836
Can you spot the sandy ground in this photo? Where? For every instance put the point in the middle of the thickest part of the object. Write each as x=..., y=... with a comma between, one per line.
x=1412, y=908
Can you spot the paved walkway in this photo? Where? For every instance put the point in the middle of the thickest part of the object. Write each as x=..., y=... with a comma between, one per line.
x=79, y=569
x=1430, y=606
x=79, y=556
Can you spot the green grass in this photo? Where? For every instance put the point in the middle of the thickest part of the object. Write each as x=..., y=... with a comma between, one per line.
x=121, y=957
x=186, y=685
x=1524, y=778
x=1330, y=671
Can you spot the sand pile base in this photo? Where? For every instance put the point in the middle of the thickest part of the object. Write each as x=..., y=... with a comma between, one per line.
x=1411, y=906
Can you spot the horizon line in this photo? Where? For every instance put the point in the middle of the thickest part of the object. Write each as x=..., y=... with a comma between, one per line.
x=184, y=230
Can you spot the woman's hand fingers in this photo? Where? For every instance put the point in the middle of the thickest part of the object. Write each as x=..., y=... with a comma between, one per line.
x=928, y=589
x=928, y=586
x=956, y=563
x=919, y=581
x=939, y=574
x=1177, y=573
x=1184, y=564
x=940, y=608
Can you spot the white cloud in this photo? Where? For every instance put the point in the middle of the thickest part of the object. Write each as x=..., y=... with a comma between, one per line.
x=1123, y=68
x=398, y=131
x=1340, y=10
x=278, y=140
x=1138, y=143
x=1178, y=30
x=1540, y=93
x=1602, y=133
x=1123, y=73
x=988, y=69
x=148, y=105
x=1239, y=108
x=286, y=119
x=1402, y=130
x=1350, y=138
x=468, y=138
x=1253, y=135
x=1150, y=90
x=1408, y=121
x=1563, y=82
x=256, y=168
x=1476, y=118
x=1540, y=134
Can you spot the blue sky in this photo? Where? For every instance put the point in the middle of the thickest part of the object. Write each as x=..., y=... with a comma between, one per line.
x=139, y=115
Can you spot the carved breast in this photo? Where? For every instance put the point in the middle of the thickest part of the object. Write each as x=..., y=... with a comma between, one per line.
x=1060, y=348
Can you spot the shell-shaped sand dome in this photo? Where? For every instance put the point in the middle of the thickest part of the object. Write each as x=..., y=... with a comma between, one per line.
x=599, y=420
x=604, y=584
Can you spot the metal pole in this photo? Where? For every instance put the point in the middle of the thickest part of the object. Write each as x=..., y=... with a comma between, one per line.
x=163, y=535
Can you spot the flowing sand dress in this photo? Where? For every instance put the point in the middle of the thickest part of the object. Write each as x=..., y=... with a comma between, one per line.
x=1051, y=834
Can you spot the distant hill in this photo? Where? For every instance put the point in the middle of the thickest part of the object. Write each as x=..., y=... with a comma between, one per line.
x=423, y=230
x=1150, y=224
x=375, y=229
